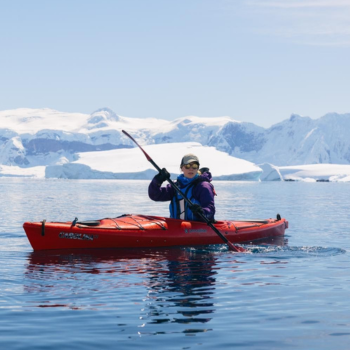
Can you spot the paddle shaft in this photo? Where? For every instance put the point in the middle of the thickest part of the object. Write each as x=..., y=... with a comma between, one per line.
x=177, y=189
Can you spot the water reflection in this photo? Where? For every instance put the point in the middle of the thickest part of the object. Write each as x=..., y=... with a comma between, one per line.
x=178, y=283
x=171, y=287
x=187, y=285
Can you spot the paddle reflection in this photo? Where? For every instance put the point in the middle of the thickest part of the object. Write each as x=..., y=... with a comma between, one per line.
x=188, y=285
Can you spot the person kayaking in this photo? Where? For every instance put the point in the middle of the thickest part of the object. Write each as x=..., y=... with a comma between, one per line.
x=195, y=184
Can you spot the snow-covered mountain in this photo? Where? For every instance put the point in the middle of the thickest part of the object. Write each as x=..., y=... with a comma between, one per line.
x=41, y=137
x=302, y=140
x=298, y=140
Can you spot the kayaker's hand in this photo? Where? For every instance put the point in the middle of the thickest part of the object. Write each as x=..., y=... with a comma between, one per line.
x=162, y=176
x=197, y=209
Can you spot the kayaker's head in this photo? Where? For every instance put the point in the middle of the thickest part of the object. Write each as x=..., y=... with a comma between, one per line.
x=189, y=165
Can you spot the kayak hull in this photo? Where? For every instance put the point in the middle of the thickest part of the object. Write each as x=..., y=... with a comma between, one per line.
x=133, y=231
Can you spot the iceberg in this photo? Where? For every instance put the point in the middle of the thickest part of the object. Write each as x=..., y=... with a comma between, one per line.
x=316, y=172
x=130, y=163
x=270, y=173
x=16, y=171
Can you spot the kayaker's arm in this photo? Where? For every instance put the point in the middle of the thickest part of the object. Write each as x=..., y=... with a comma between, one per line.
x=205, y=195
x=158, y=193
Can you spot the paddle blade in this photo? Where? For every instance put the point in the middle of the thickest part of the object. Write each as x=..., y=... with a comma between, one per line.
x=236, y=248
x=131, y=138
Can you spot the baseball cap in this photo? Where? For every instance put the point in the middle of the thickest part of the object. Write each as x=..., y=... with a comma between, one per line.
x=189, y=158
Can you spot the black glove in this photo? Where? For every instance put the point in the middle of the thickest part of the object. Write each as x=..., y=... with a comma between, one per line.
x=162, y=176
x=197, y=209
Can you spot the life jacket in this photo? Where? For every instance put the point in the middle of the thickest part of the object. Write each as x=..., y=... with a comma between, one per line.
x=179, y=208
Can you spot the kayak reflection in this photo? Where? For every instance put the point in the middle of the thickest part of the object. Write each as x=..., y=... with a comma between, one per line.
x=155, y=285
x=181, y=279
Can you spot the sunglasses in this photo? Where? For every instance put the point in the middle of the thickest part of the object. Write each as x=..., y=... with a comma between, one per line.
x=193, y=166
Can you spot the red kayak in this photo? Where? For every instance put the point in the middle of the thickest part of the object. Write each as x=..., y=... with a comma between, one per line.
x=133, y=231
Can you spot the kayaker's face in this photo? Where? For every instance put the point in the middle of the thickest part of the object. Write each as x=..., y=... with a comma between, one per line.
x=191, y=171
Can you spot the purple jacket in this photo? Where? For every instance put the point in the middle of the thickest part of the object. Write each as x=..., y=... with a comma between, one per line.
x=203, y=192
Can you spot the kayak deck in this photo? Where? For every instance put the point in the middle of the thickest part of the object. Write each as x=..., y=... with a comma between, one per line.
x=131, y=231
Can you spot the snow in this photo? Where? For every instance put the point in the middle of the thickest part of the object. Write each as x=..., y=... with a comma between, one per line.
x=270, y=173
x=316, y=172
x=31, y=121
x=132, y=163
x=306, y=173
x=28, y=120
x=15, y=171
x=46, y=142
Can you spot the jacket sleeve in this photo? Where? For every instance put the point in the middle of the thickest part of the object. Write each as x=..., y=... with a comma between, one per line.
x=158, y=193
x=205, y=195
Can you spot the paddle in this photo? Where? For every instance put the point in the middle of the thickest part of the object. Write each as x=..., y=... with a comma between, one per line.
x=177, y=189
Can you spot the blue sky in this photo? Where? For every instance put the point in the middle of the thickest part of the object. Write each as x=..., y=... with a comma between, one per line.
x=256, y=61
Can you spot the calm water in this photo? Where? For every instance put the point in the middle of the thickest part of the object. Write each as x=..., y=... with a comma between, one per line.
x=294, y=296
